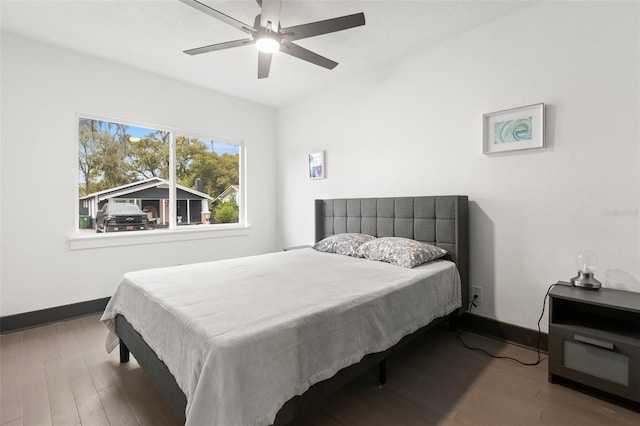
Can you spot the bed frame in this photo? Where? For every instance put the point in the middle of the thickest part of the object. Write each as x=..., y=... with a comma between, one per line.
x=439, y=220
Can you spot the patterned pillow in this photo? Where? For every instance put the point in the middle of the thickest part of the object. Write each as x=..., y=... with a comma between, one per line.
x=400, y=251
x=346, y=244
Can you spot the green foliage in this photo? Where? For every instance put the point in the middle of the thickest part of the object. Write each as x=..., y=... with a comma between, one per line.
x=110, y=158
x=226, y=212
x=149, y=157
x=103, y=149
x=194, y=160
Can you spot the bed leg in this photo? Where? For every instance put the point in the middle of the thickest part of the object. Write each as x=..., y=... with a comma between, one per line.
x=382, y=372
x=124, y=352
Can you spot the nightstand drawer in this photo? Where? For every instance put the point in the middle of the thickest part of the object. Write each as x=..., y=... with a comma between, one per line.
x=597, y=358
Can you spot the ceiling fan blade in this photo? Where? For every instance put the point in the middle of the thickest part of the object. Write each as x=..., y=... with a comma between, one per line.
x=307, y=55
x=219, y=46
x=312, y=29
x=271, y=13
x=219, y=15
x=264, y=64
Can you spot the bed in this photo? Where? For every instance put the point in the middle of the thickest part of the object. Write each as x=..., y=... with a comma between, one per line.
x=265, y=358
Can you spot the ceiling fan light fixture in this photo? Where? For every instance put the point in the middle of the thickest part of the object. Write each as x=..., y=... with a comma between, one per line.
x=269, y=36
x=268, y=44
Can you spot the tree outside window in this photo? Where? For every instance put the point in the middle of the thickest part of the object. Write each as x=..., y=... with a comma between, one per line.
x=126, y=163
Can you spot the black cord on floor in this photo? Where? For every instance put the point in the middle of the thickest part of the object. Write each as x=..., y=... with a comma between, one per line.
x=539, y=360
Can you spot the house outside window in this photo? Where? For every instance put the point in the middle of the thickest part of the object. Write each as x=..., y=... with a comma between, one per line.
x=174, y=179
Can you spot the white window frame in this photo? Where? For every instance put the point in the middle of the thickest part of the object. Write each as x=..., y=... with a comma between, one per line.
x=78, y=241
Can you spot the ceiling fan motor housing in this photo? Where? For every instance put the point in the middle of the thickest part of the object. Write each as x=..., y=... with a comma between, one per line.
x=269, y=37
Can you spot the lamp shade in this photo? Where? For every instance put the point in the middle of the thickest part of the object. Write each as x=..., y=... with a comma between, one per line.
x=586, y=261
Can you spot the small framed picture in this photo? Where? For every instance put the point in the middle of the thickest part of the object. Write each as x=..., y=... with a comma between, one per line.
x=316, y=165
x=513, y=129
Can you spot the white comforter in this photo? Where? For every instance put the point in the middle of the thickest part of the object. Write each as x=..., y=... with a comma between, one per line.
x=243, y=336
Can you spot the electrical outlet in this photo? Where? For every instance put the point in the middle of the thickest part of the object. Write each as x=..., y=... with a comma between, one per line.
x=476, y=291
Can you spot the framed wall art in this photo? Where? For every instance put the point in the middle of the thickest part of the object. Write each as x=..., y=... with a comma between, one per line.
x=316, y=165
x=513, y=129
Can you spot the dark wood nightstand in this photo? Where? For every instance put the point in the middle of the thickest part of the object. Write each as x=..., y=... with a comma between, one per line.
x=594, y=339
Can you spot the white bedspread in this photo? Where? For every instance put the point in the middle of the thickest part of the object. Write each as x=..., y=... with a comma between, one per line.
x=243, y=336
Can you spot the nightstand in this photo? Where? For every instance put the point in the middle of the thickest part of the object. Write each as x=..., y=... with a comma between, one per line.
x=594, y=339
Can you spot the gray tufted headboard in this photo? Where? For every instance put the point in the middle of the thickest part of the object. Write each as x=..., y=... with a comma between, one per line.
x=441, y=220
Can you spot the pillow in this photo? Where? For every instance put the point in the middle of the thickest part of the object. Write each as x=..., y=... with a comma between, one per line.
x=400, y=251
x=346, y=244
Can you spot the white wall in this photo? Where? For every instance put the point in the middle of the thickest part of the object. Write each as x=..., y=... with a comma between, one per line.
x=43, y=87
x=414, y=127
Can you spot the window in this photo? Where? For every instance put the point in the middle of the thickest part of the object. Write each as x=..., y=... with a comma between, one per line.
x=136, y=178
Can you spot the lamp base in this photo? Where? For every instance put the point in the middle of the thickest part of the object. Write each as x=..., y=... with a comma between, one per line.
x=586, y=281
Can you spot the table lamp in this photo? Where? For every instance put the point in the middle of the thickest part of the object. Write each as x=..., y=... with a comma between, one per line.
x=586, y=262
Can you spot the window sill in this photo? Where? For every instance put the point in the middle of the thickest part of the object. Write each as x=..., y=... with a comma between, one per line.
x=83, y=242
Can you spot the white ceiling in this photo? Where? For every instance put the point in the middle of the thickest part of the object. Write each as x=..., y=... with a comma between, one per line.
x=151, y=35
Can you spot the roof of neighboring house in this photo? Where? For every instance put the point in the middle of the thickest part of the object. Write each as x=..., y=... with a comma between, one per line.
x=230, y=189
x=139, y=187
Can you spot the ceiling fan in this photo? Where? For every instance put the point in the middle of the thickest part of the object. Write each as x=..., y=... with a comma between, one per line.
x=269, y=36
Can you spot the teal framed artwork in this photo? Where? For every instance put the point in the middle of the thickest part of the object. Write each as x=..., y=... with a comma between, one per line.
x=513, y=129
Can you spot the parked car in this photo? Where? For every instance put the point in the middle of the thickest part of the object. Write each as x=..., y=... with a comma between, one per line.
x=115, y=217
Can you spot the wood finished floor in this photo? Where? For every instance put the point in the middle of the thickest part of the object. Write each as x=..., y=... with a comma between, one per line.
x=60, y=374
